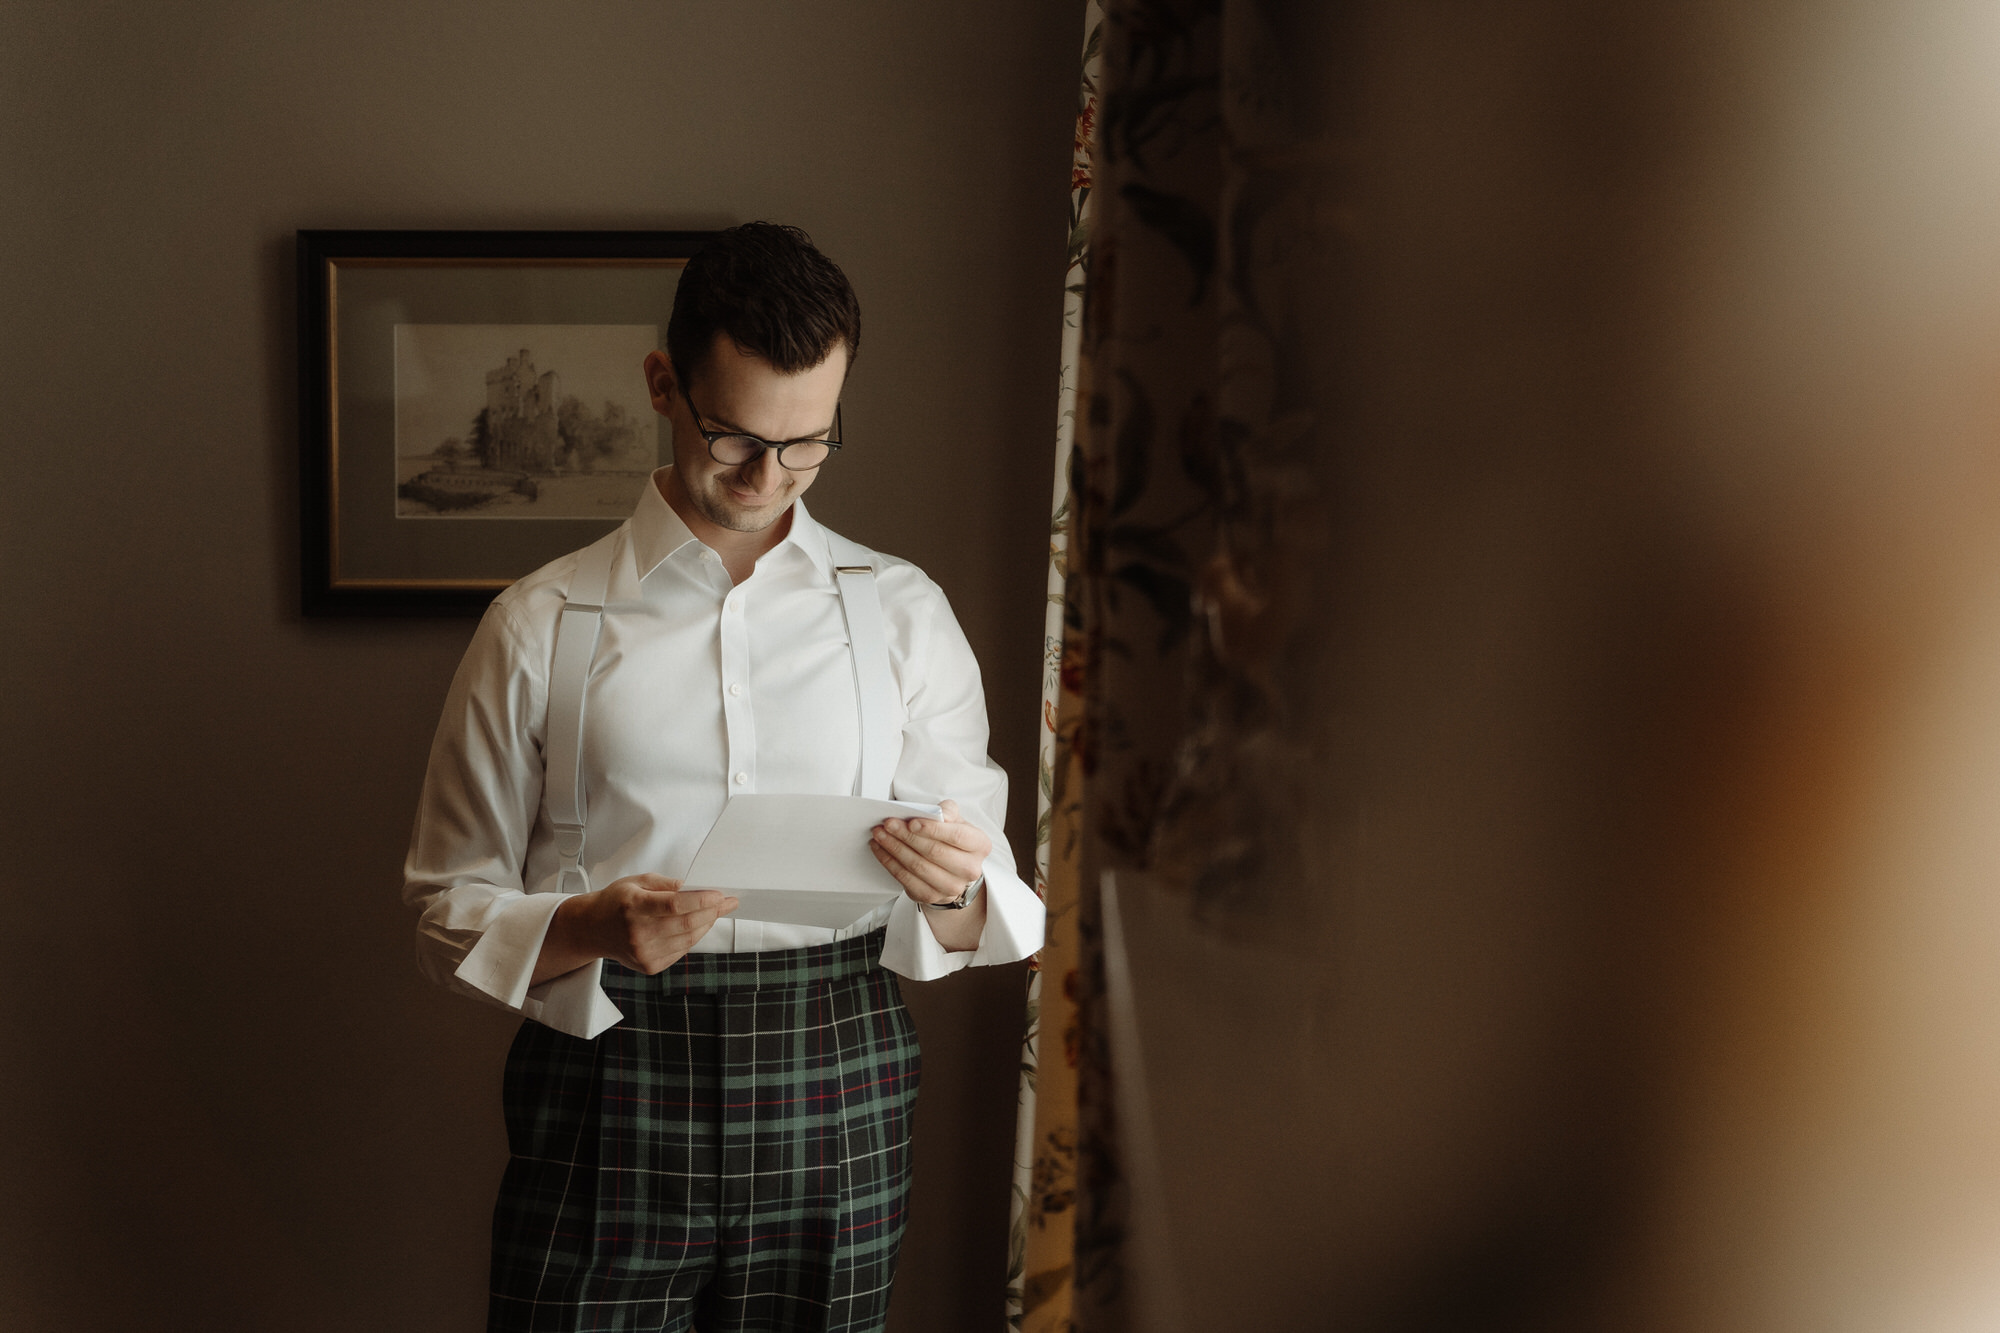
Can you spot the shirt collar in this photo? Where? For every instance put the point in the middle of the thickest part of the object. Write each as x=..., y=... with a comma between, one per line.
x=658, y=532
x=810, y=537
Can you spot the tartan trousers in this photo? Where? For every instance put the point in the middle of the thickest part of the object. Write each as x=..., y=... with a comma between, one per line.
x=734, y=1156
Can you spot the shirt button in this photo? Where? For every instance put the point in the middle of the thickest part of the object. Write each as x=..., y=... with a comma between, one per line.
x=742, y=779
x=736, y=689
x=707, y=557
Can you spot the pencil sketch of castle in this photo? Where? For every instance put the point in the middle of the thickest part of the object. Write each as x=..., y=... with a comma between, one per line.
x=520, y=437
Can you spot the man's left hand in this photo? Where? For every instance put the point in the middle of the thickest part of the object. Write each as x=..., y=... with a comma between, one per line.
x=935, y=860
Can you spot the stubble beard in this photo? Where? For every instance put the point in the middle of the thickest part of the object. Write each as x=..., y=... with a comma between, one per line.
x=713, y=504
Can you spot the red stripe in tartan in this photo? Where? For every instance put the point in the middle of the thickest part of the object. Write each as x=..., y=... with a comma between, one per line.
x=895, y=1217
x=810, y=1235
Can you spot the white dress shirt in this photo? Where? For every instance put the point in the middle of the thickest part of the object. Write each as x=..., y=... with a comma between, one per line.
x=701, y=690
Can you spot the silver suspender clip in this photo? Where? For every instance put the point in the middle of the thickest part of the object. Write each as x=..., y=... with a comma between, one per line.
x=572, y=878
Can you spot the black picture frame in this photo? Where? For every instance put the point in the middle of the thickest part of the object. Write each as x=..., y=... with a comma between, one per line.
x=362, y=294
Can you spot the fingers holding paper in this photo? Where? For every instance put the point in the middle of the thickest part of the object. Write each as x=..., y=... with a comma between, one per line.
x=935, y=860
x=646, y=922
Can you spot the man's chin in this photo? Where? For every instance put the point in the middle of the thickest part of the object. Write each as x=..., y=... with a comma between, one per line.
x=737, y=517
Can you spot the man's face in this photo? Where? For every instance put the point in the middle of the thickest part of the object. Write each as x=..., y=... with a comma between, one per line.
x=744, y=393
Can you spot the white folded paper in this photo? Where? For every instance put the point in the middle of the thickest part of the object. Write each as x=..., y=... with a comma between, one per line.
x=799, y=860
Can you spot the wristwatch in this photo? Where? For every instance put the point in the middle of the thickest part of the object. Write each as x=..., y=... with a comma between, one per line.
x=964, y=899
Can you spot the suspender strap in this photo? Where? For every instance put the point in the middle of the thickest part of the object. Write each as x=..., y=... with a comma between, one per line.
x=576, y=648
x=868, y=640
x=574, y=1003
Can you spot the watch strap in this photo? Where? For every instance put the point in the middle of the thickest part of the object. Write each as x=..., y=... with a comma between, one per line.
x=964, y=899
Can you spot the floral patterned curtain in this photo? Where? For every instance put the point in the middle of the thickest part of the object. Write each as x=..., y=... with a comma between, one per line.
x=1045, y=1136
x=1204, y=226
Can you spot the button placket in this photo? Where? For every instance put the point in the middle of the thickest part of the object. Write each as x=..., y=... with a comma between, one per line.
x=739, y=722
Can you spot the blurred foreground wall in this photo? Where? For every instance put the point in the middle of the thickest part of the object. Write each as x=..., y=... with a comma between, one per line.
x=1628, y=952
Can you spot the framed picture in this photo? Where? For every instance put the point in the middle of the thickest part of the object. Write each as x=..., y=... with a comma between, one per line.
x=472, y=405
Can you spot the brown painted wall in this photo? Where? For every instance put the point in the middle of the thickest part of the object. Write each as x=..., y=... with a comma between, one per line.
x=228, y=1099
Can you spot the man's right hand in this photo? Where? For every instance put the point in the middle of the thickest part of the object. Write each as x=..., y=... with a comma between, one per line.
x=646, y=922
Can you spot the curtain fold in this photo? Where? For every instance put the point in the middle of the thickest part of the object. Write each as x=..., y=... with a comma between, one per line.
x=1041, y=1235
x=1204, y=224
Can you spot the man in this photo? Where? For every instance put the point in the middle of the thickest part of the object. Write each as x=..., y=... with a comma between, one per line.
x=710, y=1123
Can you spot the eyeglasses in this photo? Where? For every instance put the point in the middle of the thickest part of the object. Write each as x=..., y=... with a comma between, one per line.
x=733, y=448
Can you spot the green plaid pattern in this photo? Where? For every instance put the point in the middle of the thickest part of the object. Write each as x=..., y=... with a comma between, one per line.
x=734, y=1156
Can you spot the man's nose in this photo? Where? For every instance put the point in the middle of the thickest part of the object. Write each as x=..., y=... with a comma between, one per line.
x=762, y=473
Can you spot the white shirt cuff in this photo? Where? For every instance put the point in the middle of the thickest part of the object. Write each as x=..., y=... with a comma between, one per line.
x=502, y=963
x=1013, y=930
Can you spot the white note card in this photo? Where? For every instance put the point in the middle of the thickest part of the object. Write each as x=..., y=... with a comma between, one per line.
x=799, y=860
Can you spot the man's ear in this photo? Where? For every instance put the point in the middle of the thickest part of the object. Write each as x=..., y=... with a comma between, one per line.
x=661, y=382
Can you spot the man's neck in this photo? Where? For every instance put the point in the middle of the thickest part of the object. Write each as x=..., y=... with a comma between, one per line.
x=739, y=551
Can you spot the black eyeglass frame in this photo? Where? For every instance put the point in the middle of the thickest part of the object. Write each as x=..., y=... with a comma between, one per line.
x=711, y=436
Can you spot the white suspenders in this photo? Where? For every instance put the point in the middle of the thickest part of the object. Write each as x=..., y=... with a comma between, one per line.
x=574, y=1002
x=874, y=688
x=576, y=648
x=577, y=1001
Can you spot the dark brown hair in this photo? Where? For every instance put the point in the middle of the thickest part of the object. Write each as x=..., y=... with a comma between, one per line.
x=771, y=290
